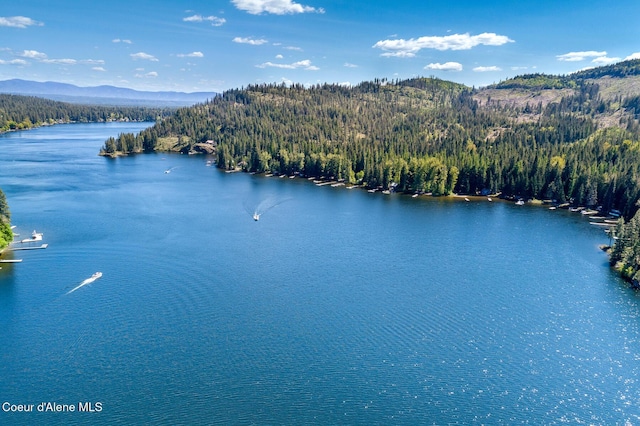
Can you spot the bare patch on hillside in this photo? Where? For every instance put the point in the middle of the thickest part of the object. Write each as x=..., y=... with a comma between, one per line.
x=520, y=97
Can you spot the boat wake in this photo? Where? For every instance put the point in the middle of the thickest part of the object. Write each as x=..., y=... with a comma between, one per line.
x=263, y=207
x=85, y=282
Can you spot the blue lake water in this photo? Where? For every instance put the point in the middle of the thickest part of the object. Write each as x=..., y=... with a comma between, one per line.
x=336, y=307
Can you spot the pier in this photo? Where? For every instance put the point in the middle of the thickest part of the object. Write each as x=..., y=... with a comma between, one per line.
x=43, y=246
x=25, y=244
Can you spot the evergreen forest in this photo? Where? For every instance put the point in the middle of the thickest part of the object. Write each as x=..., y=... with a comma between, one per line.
x=6, y=234
x=570, y=140
x=24, y=112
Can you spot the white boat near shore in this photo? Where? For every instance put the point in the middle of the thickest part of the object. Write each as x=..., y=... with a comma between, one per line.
x=35, y=236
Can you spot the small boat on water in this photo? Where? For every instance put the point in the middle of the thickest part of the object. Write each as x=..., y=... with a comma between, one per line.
x=466, y=199
x=520, y=203
x=35, y=236
x=256, y=216
x=87, y=281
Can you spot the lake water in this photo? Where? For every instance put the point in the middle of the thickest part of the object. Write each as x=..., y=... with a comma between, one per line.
x=336, y=307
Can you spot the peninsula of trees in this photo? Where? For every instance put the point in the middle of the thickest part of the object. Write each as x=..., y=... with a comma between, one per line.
x=24, y=112
x=570, y=139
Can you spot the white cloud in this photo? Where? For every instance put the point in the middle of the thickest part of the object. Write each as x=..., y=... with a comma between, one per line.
x=251, y=41
x=580, y=56
x=408, y=48
x=305, y=64
x=519, y=68
x=191, y=55
x=399, y=54
x=101, y=69
x=604, y=60
x=297, y=49
x=151, y=74
x=145, y=56
x=215, y=21
x=14, y=62
x=633, y=56
x=60, y=61
x=117, y=40
x=92, y=61
x=349, y=65
x=279, y=57
x=277, y=7
x=33, y=54
x=447, y=66
x=18, y=22
x=487, y=69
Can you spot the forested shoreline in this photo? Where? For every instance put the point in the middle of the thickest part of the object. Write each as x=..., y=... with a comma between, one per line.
x=567, y=139
x=6, y=234
x=419, y=135
x=25, y=112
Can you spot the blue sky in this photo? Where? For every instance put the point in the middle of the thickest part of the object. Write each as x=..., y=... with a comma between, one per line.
x=216, y=45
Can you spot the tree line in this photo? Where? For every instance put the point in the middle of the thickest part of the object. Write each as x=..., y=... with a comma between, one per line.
x=6, y=234
x=418, y=135
x=24, y=112
x=625, y=253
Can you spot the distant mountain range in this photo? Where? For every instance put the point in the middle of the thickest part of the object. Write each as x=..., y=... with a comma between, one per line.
x=103, y=95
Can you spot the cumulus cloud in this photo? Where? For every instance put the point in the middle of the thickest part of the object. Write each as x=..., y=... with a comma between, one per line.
x=487, y=69
x=447, y=66
x=215, y=21
x=305, y=65
x=580, y=56
x=151, y=74
x=60, y=61
x=408, y=48
x=297, y=49
x=633, y=56
x=145, y=56
x=349, y=65
x=251, y=41
x=13, y=62
x=42, y=57
x=604, y=60
x=33, y=54
x=117, y=40
x=276, y=7
x=18, y=22
x=101, y=69
x=92, y=61
x=191, y=55
x=279, y=57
